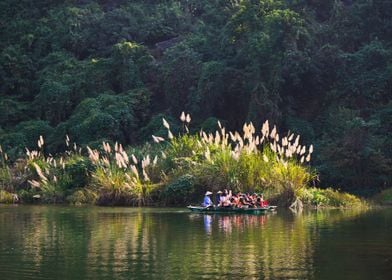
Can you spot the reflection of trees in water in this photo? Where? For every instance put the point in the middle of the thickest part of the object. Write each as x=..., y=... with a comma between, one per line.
x=266, y=246
x=123, y=244
x=98, y=244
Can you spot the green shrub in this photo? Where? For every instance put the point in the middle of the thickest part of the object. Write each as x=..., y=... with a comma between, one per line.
x=76, y=170
x=384, y=197
x=328, y=198
x=182, y=190
x=83, y=196
x=6, y=180
x=7, y=198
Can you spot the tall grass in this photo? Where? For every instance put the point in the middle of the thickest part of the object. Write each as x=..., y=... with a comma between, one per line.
x=6, y=183
x=329, y=198
x=250, y=160
x=247, y=161
x=121, y=178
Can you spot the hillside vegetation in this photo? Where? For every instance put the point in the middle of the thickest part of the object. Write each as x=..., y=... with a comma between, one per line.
x=104, y=70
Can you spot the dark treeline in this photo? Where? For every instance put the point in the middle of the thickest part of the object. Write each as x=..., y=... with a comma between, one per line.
x=109, y=70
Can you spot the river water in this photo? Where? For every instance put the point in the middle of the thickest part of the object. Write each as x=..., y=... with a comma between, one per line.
x=49, y=242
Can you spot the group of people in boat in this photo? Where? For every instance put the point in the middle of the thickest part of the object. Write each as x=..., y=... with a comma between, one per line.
x=235, y=200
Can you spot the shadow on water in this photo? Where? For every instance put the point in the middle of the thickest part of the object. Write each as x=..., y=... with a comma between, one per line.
x=44, y=242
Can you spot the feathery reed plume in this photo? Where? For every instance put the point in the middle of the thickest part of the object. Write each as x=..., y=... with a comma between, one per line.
x=93, y=155
x=265, y=128
x=120, y=160
x=134, y=159
x=34, y=183
x=134, y=171
x=157, y=139
x=165, y=123
x=40, y=142
x=146, y=161
x=39, y=172
x=296, y=143
x=273, y=133
x=217, y=138
x=188, y=118
x=106, y=147
x=145, y=175
x=125, y=157
x=182, y=117
x=67, y=140
x=303, y=151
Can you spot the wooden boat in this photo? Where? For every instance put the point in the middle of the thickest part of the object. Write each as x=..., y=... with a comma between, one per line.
x=216, y=209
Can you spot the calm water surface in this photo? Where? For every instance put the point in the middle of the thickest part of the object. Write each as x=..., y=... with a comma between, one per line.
x=46, y=242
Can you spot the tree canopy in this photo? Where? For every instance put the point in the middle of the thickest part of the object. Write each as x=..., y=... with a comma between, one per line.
x=107, y=70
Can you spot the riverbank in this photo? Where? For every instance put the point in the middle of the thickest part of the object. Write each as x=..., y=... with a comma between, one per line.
x=172, y=170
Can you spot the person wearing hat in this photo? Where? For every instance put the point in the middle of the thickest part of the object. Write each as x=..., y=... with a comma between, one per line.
x=207, y=200
x=218, y=197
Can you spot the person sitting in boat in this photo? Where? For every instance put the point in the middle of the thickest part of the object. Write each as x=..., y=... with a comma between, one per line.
x=242, y=202
x=218, y=197
x=235, y=200
x=263, y=203
x=225, y=199
x=207, y=200
x=248, y=199
x=252, y=200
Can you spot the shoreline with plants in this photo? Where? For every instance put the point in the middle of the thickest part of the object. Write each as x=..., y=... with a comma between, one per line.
x=172, y=171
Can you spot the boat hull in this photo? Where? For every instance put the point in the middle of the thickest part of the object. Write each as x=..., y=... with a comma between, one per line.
x=200, y=209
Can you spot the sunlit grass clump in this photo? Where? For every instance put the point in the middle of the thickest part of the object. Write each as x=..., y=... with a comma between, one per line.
x=255, y=161
x=329, y=198
x=120, y=178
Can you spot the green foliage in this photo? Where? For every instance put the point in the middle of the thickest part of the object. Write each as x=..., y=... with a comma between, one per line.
x=108, y=70
x=6, y=197
x=83, y=196
x=329, y=198
x=384, y=197
x=76, y=170
x=6, y=182
x=182, y=190
x=110, y=117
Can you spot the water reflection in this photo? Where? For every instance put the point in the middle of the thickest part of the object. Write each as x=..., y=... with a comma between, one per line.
x=207, y=223
x=121, y=243
x=226, y=222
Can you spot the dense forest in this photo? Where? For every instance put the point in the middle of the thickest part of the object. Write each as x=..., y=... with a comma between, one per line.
x=106, y=70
